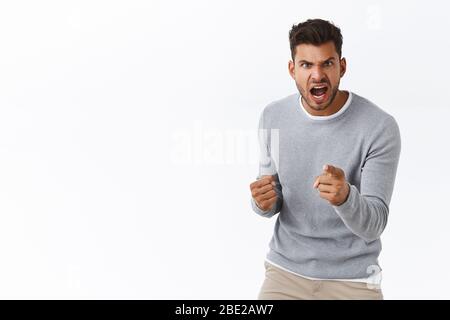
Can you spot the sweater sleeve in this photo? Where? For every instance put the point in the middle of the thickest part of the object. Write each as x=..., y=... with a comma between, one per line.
x=267, y=166
x=365, y=212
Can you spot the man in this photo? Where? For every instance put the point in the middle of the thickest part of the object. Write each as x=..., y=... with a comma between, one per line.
x=328, y=164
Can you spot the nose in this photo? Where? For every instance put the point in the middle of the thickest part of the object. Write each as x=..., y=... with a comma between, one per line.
x=317, y=74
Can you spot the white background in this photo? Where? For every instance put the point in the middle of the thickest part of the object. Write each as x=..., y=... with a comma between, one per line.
x=128, y=142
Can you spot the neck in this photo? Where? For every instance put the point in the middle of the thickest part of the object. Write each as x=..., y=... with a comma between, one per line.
x=336, y=105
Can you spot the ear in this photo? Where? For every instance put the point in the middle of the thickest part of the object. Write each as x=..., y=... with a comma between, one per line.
x=343, y=64
x=291, y=69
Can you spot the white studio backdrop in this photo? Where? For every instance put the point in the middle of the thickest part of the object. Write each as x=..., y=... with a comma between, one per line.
x=128, y=142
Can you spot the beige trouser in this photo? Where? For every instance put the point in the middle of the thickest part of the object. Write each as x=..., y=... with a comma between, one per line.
x=282, y=285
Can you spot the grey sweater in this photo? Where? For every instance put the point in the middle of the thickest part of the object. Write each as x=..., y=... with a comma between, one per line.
x=311, y=236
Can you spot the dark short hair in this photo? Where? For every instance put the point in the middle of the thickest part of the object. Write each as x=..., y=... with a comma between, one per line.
x=315, y=32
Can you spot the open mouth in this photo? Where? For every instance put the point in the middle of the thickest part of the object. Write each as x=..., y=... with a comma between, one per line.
x=319, y=93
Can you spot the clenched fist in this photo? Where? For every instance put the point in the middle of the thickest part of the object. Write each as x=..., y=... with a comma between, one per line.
x=263, y=192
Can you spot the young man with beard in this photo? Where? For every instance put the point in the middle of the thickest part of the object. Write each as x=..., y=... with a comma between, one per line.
x=328, y=163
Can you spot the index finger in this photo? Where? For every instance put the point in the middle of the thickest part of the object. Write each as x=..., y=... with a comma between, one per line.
x=264, y=180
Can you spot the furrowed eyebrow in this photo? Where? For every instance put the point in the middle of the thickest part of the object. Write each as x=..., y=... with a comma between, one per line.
x=304, y=61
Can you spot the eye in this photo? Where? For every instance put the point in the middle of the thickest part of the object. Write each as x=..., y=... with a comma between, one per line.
x=305, y=65
x=328, y=63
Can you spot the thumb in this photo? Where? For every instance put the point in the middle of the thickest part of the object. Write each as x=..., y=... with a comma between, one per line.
x=327, y=168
